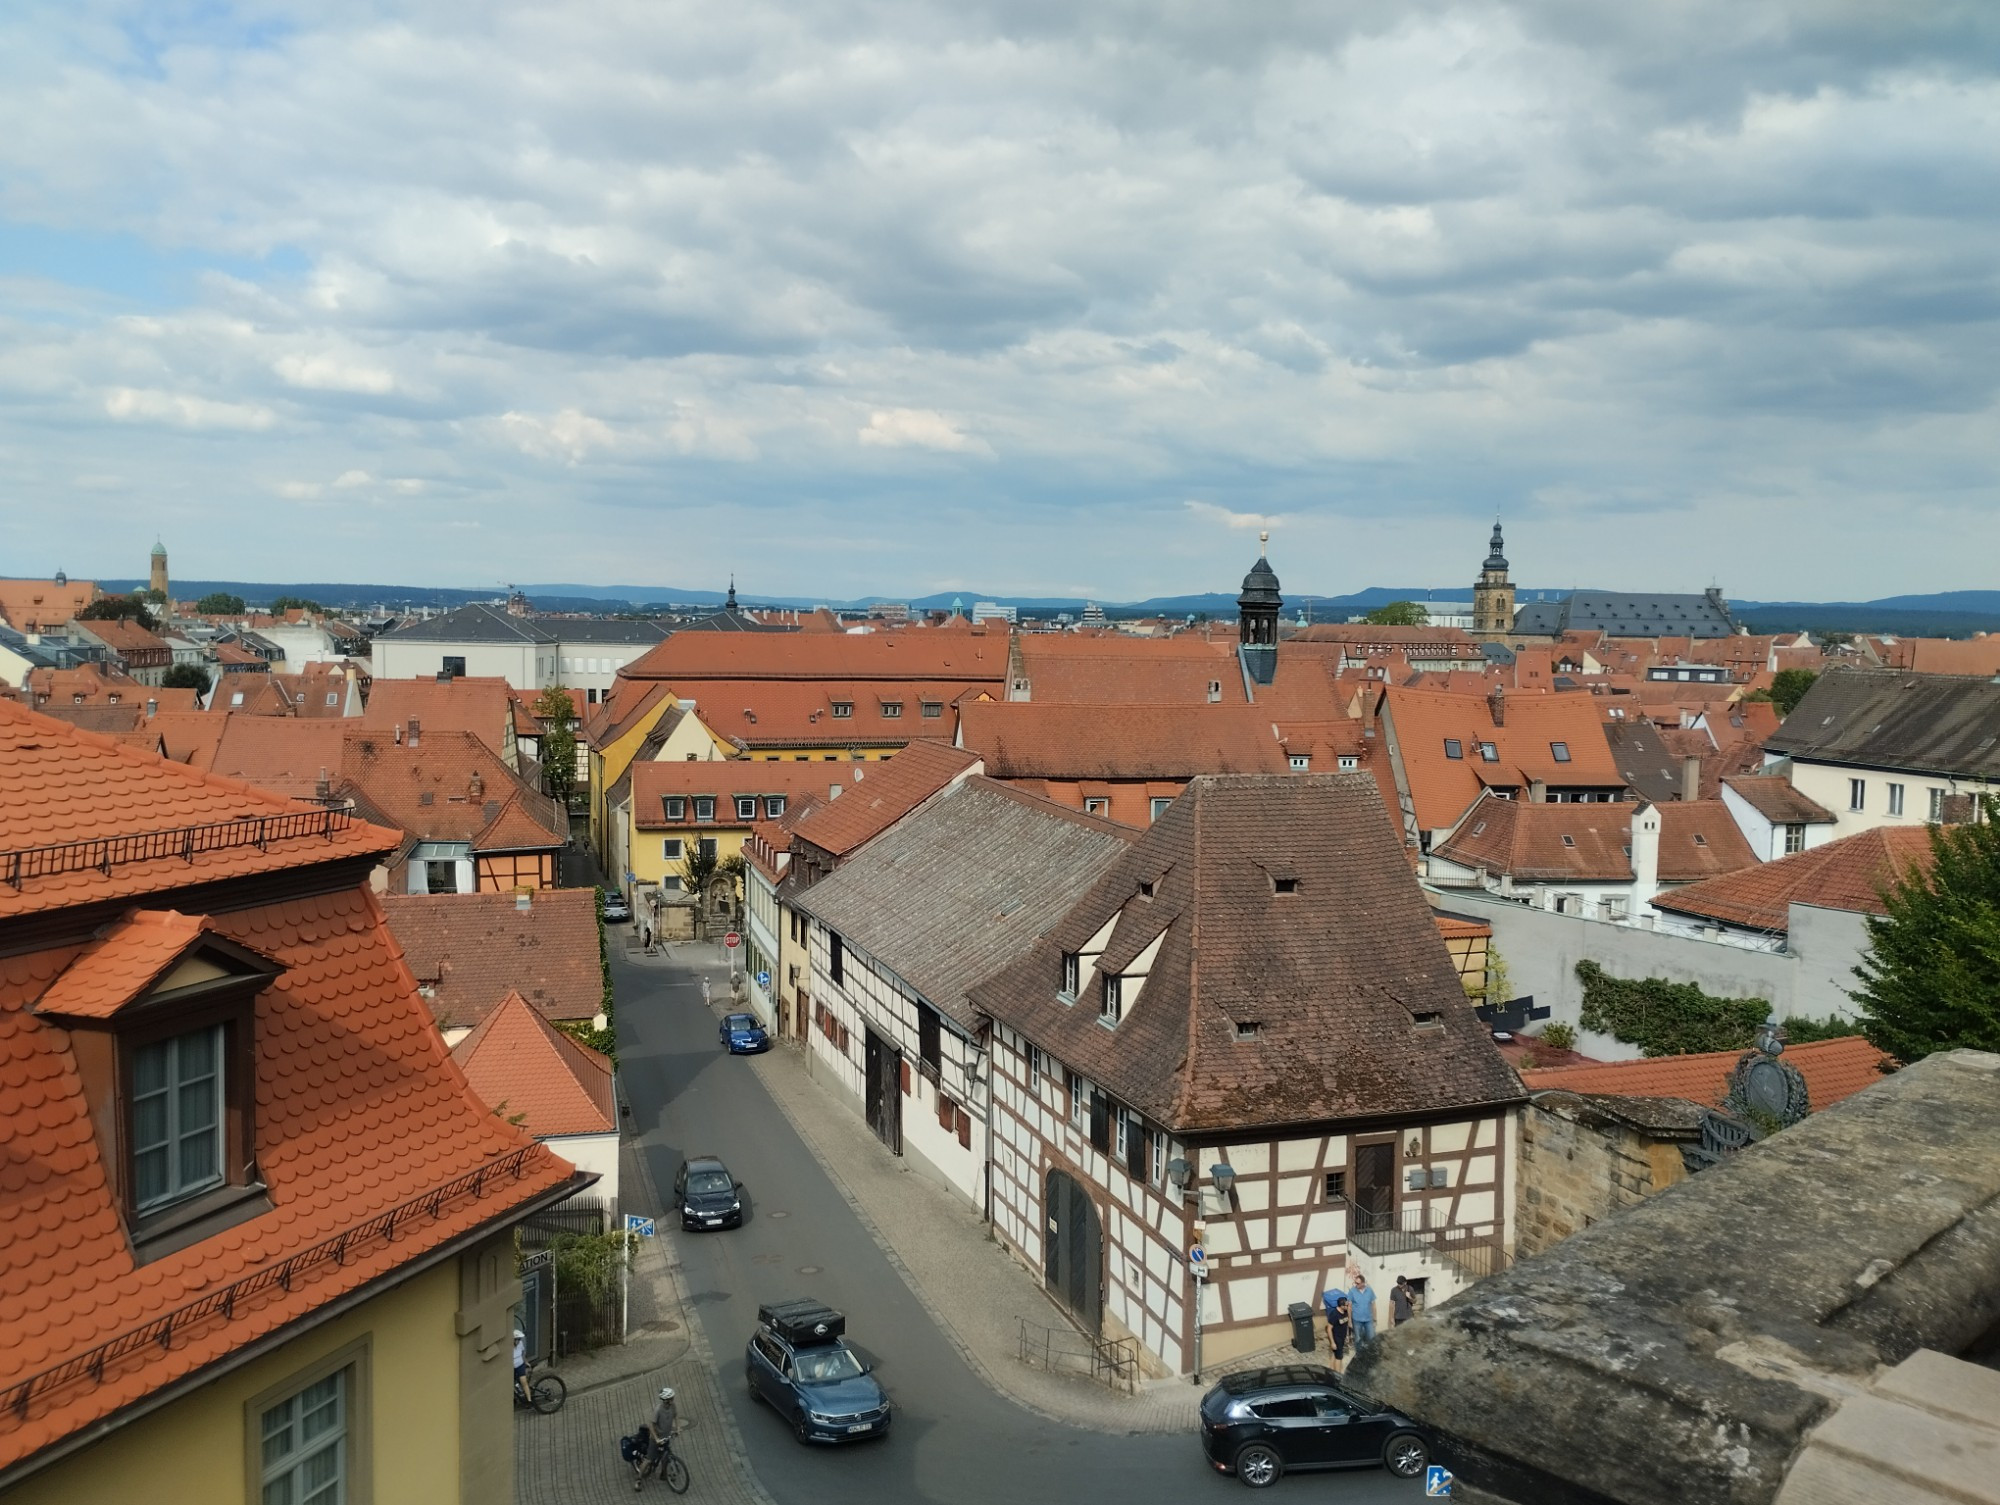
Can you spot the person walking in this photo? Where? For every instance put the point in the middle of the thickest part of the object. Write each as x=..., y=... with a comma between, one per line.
x=1403, y=1300
x=1339, y=1329
x=666, y=1416
x=1362, y=1299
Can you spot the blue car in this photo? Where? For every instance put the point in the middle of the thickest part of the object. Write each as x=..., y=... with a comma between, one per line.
x=800, y=1364
x=742, y=1035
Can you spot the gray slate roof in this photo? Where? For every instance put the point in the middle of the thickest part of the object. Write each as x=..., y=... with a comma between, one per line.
x=1628, y=616
x=1892, y=718
x=474, y=623
x=963, y=886
x=1644, y=759
x=638, y=630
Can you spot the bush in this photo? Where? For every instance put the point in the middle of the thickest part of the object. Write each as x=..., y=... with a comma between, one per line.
x=1558, y=1036
x=1667, y=1018
x=1801, y=1031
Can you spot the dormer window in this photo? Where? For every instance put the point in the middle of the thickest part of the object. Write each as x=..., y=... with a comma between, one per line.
x=892, y=710
x=1488, y=753
x=1072, y=974
x=1348, y=763
x=932, y=709
x=843, y=710
x=1301, y=762
x=1145, y=890
x=1284, y=885
x=1112, y=1007
x=774, y=806
x=1097, y=805
x=746, y=807
x=1248, y=1029
x=1426, y=1019
x=704, y=807
x=677, y=806
x=176, y=1118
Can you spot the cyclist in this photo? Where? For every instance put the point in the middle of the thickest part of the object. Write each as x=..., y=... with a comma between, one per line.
x=521, y=1365
x=661, y=1443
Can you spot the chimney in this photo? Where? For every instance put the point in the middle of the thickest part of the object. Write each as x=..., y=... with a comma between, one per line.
x=416, y=728
x=1538, y=792
x=1645, y=857
x=152, y=707
x=322, y=786
x=1690, y=777
x=524, y=900
x=399, y=734
x=1496, y=701
x=476, y=786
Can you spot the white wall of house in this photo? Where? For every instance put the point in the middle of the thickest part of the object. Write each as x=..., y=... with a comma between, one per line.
x=1886, y=796
x=869, y=996
x=525, y=666
x=302, y=643
x=1768, y=838
x=592, y=667
x=595, y=1153
x=763, y=924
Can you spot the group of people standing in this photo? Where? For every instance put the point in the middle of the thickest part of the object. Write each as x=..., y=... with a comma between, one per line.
x=1350, y=1314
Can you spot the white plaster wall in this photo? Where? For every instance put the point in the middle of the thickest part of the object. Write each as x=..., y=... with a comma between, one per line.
x=1827, y=783
x=595, y=1153
x=525, y=666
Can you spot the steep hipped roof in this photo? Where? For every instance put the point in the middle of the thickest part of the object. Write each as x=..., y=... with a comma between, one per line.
x=358, y=1109
x=61, y=788
x=520, y=1064
x=1848, y=874
x=1032, y=740
x=39, y=605
x=1773, y=797
x=1627, y=615
x=1889, y=718
x=1834, y=1070
x=474, y=623
x=470, y=950
x=1589, y=843
x=883, y=795
x=1336, y=1000
x=482, y=706
x=1444, y=787
x=962, y=886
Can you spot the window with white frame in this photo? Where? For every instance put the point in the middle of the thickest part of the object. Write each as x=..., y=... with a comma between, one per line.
x=1072, y=972
x=1559, y=751
x=177, y=1118
x=1857, y=794
x=746, y=807
x=1097, y=805
x=1078, y=1096
x=892, y=710
x=1937, y=806
x=774, y=806
x=843, y=710
x=1795, y=837
x=304, y=1446
x=704, y=807
x=1348, y=763
x=1112, y=1008
x=677, y=806
x=1301, y=762
x=707, y=845
x=1160, y=803
x=1895, y=799
x=1035, y=1061
x=933, y=709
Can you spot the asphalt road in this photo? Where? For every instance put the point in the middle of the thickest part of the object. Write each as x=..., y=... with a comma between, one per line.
x=954, y=1441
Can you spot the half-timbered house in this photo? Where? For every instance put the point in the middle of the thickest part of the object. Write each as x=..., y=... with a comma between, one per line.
x=1248, y=1034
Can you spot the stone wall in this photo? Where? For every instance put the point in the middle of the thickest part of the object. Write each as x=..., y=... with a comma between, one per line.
x=1579, y=1164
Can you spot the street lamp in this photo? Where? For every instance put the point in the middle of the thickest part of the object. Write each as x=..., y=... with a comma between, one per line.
x=1223, y=1175
x=1180, y=1173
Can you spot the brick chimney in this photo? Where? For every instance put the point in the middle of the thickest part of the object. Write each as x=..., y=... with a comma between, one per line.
x=476, y=786
x=1691, y=777
x=1496, y=702
x=1538, y=792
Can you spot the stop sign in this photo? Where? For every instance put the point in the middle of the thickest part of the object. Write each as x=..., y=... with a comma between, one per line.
x=732, y=940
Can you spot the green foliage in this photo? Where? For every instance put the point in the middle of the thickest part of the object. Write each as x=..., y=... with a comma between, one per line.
x=1558, y=1036
x=1399, y=614
x=557, y=713
x=1931, y=979
x=220, y=604
x=1834, y=639
x=120, y=609
x=606, y=1039
x=186, y=677
x=1803, y=1031
x=698, y=869
x=730, y=871
x=1788, y=688
x=1493, y=987
x=589, y=1262
x=1666, y=1018
x=294, y=603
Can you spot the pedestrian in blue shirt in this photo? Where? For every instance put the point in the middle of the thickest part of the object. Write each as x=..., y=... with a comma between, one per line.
x=1362, y=1300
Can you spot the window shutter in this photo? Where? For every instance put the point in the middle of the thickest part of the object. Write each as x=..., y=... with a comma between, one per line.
x=903, y=1068
x=1138, y=1150
x=1100, y=1122
x=964, y=1129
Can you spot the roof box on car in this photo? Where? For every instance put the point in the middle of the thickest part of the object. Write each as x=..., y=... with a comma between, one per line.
x=802, y=1321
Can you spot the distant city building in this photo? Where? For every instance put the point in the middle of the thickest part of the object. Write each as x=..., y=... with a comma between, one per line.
x=895, y=613
x=1093, y=614
x=157, y=583
x=986, y=611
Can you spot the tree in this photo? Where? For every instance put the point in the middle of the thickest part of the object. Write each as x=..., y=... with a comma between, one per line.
x=1399, y=614
x=557, y=714
x=730, y=871
x=1835, y=639
x=186, y=677
x=294, y=603
x=131, y=608
x=1931, y=978
x=698, y=870
x=219, y=604
x=1788, y=688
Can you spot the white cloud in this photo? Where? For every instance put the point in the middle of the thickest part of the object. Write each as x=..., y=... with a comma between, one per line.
x=919, y=428
x=568, y=435
x=323, y=373
x=1208, y=512
x=185, y=410
x=347, y=480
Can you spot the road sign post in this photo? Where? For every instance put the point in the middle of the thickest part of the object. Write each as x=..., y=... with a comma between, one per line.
x=1198, y=1271
x=732, y=940
x=636, y=1224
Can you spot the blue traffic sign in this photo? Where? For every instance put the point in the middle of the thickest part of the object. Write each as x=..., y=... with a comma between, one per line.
x=1437, y=1482
x=636, y=1224
x=763, y=979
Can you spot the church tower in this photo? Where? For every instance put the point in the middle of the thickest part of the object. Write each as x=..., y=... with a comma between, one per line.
x=1493, y=595
x=1257, y=617
x=158, y=583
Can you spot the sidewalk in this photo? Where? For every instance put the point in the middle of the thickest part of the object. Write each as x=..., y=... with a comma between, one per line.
x=571, y=1458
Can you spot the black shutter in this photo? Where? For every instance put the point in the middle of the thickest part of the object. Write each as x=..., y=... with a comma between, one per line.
x=833, y=965
x=1100, y=1121
x=1138, y=1150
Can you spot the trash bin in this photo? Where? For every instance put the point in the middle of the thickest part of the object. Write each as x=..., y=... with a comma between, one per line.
x=1302, y=1326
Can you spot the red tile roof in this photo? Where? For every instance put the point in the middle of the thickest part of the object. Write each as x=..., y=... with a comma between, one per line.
x=1848, y=874
x=1114, y=669
x=1443, y=787
x=878, y=795
x=1033, y=740
x=723, y=779
x=468, y=951
x=482, y=706
x=776, y=713
x=1833, y=1069
x=688, y=658
x=61, y=787
x=1587, y=843
x=520, y=1064
x=124, y=961
x=359, y=1111
x=1773, y=797
x=40, y=605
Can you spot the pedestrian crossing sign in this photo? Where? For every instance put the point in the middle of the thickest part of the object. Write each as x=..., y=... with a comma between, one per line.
x=1437, y=1482
x=636, y=1224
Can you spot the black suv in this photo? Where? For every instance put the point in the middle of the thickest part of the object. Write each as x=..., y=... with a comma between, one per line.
x=1262, y=1422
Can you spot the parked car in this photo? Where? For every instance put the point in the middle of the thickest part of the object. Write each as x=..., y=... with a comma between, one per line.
x=798, y=1361
x=616, y=910
x=1263, y=1422
x=707, y=1195
x=742, y=1035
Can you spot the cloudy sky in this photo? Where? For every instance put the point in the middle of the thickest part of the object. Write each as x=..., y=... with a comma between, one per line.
x=1025, y=296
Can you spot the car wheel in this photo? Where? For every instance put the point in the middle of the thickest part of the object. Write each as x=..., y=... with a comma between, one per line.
x=1259, y=1466
x=1405, y=1455
x=750, y=1384
x=799, y=1425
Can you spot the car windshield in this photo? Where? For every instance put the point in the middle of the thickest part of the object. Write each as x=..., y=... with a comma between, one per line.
x=739, y=1021
x=817, y=1365
x=708, y=1183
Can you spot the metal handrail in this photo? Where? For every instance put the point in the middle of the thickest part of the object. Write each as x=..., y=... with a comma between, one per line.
x=223, y=1303
x=103, y=853
x=1111, y=1361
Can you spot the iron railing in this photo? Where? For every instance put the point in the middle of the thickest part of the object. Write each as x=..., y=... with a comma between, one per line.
x=103, y=853
x=1473, y=1247
x=1065, y=1350
x=224, y=1303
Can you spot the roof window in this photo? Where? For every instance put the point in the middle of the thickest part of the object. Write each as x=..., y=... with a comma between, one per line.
x=843, y=710
x=1559, y=751
x=1569, y=841
x=1453, y=748
x=1480, y=829
x=1146, y=890
x=1489, y=753
x=1284, y=885
x=1700, y=840
x=1248, y=1029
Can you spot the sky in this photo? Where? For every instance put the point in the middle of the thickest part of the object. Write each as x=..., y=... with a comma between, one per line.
x=1016, y=296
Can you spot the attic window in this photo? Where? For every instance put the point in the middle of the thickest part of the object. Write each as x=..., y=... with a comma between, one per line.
x=1112, y=1007
x=1301, y=762
x=1248, y=1029
x=704, y=807
x=1489, y=753
x=933, y=709
x=843, y=710
x=774, y=806
x=1453, y=748
x=1700, y=840
x=1284, y=885
x=1569, y=841
x=1097, y=805
x=1480, y=829
x=746, y=807
x=1560, y=751
x=891, y=709
x=1072, y=974
x=1349, y=763
x=1426, y=1019
x=1146, y=890
x=677, y=806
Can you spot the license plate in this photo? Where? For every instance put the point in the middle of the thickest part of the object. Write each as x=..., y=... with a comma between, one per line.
x=861, y=1426
x=713, y=1222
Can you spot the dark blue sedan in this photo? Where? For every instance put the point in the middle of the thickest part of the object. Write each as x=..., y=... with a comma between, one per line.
x=742, y=1035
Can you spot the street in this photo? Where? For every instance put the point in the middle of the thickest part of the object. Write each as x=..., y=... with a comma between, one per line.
x=954, y=1439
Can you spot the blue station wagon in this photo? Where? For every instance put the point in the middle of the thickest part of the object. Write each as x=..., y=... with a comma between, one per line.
x=799, y=1363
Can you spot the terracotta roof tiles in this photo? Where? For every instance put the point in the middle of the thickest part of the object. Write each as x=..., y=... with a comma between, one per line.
x=468, y=951
x=1525, y=743
x=1033, y=740
x=519, y=1063
x=887, y=793
x=122, y=963
x=1848, y=874
x=1588, y=843
x=1834, y=1070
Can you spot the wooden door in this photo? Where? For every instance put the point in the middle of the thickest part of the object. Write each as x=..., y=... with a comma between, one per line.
x=1073, y=1259
x=1374, y=1187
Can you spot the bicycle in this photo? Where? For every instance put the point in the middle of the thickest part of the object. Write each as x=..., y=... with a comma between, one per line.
x=668, y=1463
x=546, y=1391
